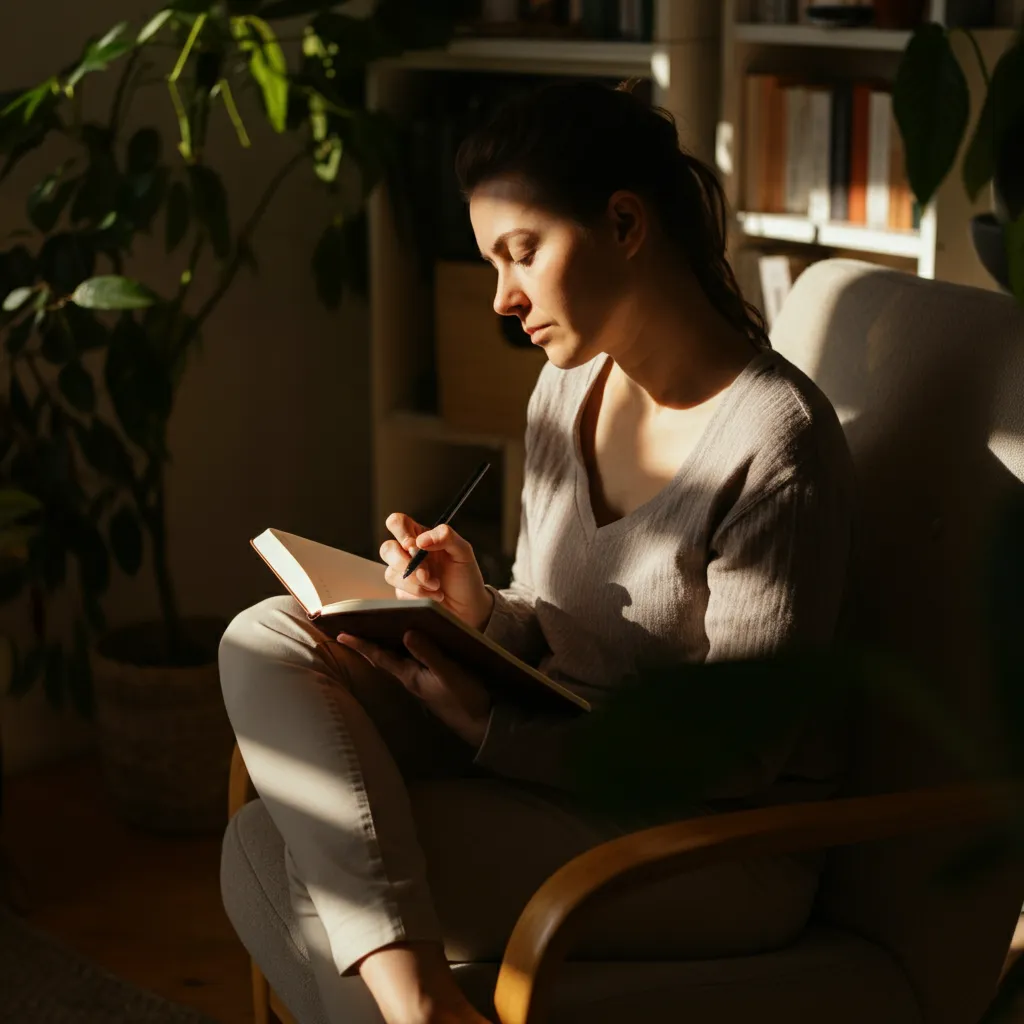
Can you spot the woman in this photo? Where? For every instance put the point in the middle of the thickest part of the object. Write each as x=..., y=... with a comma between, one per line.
x=687, y=496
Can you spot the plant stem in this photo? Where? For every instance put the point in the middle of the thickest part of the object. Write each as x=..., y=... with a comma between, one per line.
x=977, y=53
x=231, y=270
x=115, y=106
x=157, y=521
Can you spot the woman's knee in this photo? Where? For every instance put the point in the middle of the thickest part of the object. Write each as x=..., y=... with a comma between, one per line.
x=272, y=629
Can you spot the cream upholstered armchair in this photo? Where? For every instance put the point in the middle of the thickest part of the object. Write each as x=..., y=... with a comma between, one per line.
x=928, y=380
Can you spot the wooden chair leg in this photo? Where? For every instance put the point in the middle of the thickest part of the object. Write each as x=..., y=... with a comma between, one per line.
x=260, y=997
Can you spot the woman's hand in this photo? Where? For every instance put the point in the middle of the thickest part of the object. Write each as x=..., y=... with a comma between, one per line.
x=451, y=693
x=450, y=573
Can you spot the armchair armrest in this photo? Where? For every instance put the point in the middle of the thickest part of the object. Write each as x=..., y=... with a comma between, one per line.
x=555, y=914
x=240, y=787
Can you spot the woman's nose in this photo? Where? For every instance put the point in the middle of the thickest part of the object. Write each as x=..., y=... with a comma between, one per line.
x=508, y=297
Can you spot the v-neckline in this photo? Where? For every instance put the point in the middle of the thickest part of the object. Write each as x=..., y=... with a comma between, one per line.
x=584, y=505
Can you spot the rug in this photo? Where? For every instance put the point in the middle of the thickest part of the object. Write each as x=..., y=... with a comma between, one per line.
x=43, y=982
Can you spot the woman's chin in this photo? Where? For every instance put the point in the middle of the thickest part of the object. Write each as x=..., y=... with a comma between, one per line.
x=565, y=355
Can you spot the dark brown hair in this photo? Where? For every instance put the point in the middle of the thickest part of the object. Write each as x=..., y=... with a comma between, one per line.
x=578, y=142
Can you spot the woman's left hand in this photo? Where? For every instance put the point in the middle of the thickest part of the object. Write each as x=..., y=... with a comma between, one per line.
x=451, y=693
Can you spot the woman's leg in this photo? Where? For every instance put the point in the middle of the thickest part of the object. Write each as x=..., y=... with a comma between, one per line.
x=329, y=742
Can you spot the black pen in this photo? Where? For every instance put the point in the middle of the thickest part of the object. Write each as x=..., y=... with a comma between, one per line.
x=449, y=512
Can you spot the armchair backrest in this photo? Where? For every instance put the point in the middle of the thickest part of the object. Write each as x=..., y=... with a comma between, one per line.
x=928, y=381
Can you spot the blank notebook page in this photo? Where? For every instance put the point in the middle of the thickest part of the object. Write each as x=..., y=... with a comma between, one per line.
x=336, y=575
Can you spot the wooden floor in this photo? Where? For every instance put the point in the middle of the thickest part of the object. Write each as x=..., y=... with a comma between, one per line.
x=146, y=908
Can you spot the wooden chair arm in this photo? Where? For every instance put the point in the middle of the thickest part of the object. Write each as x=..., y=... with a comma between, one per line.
x=553, y=917
x=240, y=787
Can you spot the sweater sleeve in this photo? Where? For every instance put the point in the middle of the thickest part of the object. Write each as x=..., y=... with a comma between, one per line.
x=775, y=581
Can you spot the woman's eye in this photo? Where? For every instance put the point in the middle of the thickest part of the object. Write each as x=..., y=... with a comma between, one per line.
x=523, y=261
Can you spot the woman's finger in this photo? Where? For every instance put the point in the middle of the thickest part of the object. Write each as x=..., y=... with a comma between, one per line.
x=379, y=656
x=411, y=586
x=444, y=538
x=392, y=553
x=404, y=529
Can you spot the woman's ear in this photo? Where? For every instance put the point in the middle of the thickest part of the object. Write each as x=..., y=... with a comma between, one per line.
x=628, y=218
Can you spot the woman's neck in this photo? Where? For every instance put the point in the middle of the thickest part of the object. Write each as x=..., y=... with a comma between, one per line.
x=681, y=351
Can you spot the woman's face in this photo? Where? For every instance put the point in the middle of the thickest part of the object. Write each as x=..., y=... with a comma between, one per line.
x=568, y=286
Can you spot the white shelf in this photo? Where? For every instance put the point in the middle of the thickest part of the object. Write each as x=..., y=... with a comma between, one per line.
x=536, y=56
x=814, y=35
x=786, y=227
x=433, y=428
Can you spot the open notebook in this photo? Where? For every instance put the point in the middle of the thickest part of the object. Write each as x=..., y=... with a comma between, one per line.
x=343, y=593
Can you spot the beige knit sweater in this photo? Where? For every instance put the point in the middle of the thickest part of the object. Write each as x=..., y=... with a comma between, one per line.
x=743, y=553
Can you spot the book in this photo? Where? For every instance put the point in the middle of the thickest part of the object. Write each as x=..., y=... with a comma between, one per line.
x=859, y=141
x=880, y=122
x=343, y=593
x=839, y=164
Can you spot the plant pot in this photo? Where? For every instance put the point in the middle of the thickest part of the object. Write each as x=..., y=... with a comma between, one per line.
x=165, y=740
x=990, y=245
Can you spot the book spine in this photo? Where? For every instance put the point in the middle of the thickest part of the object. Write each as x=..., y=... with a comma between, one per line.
x=839, y=164
x=820, y=131
x=880, y=124
x=794, y=98
x=774, y=146
x=858, y=213
x=753, y=169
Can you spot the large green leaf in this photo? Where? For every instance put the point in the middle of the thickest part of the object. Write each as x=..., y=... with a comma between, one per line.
x=75, y=383
x=931, y=103
x=67, y=259
x=210, y=204
x=266, y=64
x=58, y=345
x=126, y=540
x=329, y=265
x=112, y=292
x=143, y=151
x=104, y=450
x=176, y=216
x=17, y=336
x=100, y=53
x=1003, y=107
x=139, y=385
x=48, y=198
x=88, y=333
x=96, y=198
x=150, y=29
x=17, y=298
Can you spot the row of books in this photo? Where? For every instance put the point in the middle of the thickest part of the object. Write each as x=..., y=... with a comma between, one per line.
x=588, y=19
x=826, y=152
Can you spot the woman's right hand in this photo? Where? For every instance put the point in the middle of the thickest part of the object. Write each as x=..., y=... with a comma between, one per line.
x=449, y=573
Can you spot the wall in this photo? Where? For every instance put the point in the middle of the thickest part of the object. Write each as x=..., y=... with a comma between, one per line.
x=271, y=424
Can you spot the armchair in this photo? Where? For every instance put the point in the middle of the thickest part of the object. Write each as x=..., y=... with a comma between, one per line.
x=928, y=380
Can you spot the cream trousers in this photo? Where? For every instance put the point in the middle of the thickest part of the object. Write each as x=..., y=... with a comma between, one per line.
x=392, y=834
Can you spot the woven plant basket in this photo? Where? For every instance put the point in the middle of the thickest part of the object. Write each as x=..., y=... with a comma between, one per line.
x=165, y=739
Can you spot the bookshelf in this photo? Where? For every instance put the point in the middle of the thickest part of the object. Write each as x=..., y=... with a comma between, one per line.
x=419, y=459
x=940, y=247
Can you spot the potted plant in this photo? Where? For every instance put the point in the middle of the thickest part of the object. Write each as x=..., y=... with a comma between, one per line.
x=931, y=102
x=94, y=356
